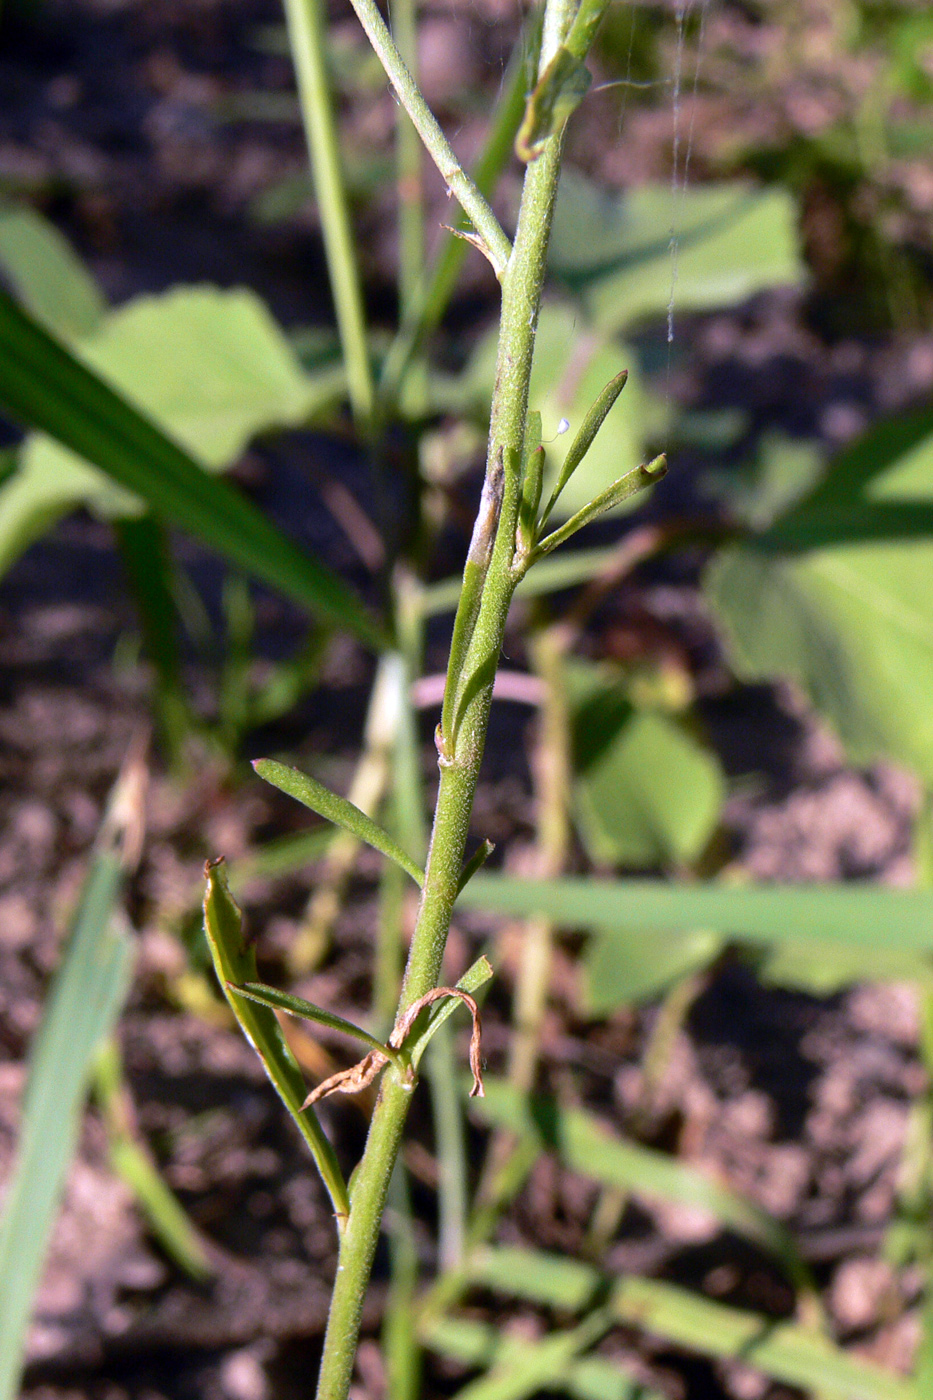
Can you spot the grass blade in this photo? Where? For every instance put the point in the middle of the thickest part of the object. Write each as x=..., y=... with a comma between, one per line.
x=586, y=1146
x=479, y=1344
x=167, y=1220
x=338, y=810
x=551, y=1280
x=42, y=385
x=531, y=1369
x=782, y=1350
x=858, y=915
x=235, y=962
x=86, y=997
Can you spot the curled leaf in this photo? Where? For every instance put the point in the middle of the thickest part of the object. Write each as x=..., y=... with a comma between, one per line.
x=362, y=1074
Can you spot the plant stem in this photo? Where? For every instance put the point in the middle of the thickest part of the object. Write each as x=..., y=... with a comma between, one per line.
x=425, y=314
x=408, y=170
x=495, y=243
x=521, y=294
x=306, y=32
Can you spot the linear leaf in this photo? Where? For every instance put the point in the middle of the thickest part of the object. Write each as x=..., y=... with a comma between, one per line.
x=86, y=997
x=42, y=385
x=649, y=474
x=584, y=438
x=552, y=1280
x=586, y=1146
x=482, y=1345
x=338, y=810
x=235, y=962
x=297, y=1006
x=167, y=1220
x=783, y=1350
x=529, y=1369
x=857, y=915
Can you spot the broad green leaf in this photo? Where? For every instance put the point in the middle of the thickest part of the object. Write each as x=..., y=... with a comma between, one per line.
x=210, y=367
x=823, y=971
x=646, y=792
x=235, y=962
x=44, y=386
x=312, y=794
x=628, y=966
x=87, y=994
x=860, y=916
x=615, y=250
x=784, y=1351
x=586, y=1145
x=48, y=276
x=836, y=595
x=572, y=367
x=783, y=471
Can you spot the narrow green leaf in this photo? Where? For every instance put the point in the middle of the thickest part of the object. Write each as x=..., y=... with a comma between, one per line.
x=87, y=993
x=557, y=94
x=532, y=478
x=476, y=862
x=571, y=372
x=586, y=1146
x=235, y=962
x=647, y=475
x=338, y=810
x=531, y=1368
x=42, y=385
x=858, y=915
x=168, y=1222
x=552, y=1280
x=297, y=1006
x=783, y=1350
x=614, y=250
x=281, y=856
x=548, y=576
x=584, y=438
x=480, y=1344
